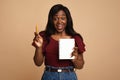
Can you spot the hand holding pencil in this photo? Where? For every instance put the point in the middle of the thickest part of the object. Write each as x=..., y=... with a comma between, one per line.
x=38, y=40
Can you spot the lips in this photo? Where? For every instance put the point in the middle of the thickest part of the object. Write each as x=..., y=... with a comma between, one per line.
x=60, y=26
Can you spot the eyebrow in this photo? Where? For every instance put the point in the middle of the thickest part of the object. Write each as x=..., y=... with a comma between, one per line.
x=60, y=15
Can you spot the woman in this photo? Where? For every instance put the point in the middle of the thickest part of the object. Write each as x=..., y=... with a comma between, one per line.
x=59, y=26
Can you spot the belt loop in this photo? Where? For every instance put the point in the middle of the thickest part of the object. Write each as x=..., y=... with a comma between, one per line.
x=49, y=69
x=69, y=70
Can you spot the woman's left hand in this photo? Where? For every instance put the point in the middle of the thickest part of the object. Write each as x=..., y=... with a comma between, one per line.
x=78, y=61
x=75, y=53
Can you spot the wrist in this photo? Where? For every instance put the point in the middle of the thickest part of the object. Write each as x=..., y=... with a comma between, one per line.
x=38, y=47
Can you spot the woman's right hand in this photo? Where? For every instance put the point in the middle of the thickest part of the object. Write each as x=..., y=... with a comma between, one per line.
x=37, y=41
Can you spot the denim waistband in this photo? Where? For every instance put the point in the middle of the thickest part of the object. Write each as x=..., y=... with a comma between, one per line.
x=59, y=75
x=67, y=67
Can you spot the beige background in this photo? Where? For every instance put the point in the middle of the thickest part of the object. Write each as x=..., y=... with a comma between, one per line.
x=98, y=21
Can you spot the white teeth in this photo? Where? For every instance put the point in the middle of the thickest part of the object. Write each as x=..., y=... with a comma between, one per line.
x=59, y=26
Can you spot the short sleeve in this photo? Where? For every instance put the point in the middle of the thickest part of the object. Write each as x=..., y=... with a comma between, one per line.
x=79, y=43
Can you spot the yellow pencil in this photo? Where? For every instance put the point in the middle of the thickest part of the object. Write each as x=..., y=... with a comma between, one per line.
x=36, y=28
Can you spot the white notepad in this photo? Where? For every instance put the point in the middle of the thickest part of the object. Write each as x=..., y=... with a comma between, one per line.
x=66, y=47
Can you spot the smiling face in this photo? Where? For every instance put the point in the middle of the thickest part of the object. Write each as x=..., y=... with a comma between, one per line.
x=60, y=21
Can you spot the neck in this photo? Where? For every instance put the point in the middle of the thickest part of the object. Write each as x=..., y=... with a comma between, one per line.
x=57, y=36
x=61, y=34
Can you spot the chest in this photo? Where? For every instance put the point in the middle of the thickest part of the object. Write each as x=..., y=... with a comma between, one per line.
x=52, y=47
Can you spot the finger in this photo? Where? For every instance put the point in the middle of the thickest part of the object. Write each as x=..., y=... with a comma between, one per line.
x=35, y=39
x=73, y=53
x=33, y=44
x=36, y=34
x=40, y=36
x=75, y=48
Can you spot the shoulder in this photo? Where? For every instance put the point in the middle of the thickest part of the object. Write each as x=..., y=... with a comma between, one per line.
x=78, y=37
x=79, y=43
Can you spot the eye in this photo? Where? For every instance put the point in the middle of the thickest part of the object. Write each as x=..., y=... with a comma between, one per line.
x=63, y=18
x=55, y=18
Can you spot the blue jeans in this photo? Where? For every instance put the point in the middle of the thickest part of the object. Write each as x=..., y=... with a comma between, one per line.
x=71, y=75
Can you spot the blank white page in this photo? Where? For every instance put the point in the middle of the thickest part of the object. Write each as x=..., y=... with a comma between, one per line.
x=66, y=47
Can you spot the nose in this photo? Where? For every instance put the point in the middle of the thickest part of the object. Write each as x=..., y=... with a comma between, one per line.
x=59, y=20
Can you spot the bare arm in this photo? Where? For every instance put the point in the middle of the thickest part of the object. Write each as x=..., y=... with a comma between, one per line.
x=37, y=43
x=78, y=61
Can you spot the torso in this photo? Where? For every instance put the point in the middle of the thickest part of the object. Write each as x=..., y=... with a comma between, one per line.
x=51, y=50
x=52, y=53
